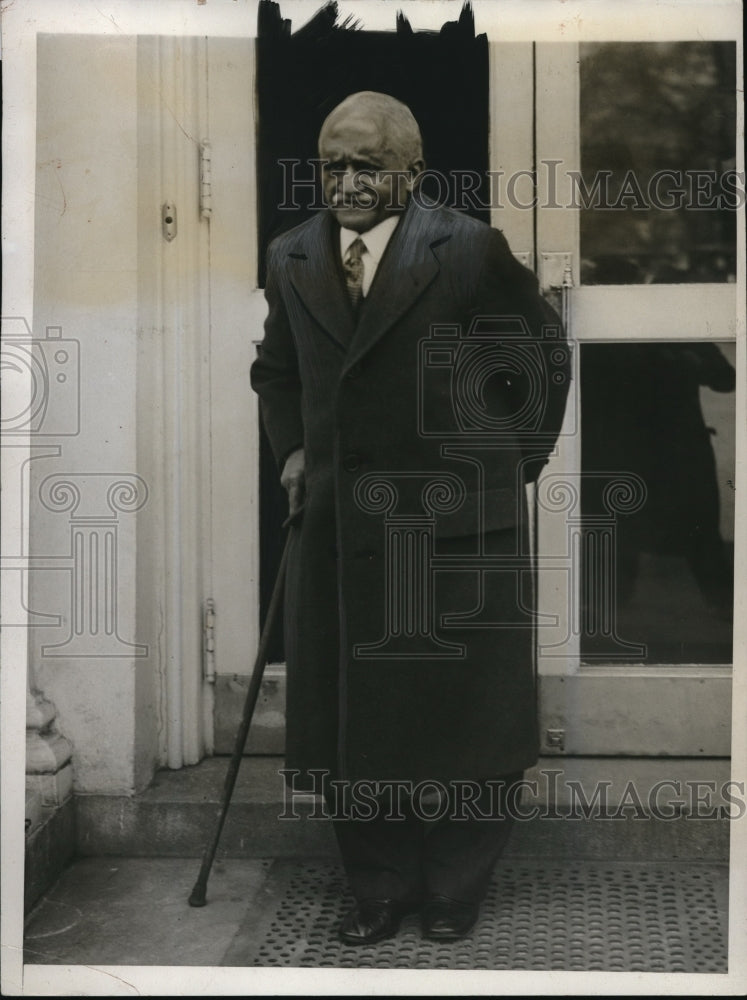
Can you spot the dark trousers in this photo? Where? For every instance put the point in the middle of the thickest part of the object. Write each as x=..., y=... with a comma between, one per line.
x=406, y=859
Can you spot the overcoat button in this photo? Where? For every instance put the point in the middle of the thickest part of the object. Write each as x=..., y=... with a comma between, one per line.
x=351, y=463
x=354, y=371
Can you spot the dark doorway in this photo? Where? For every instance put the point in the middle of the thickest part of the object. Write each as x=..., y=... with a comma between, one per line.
x=301, y=76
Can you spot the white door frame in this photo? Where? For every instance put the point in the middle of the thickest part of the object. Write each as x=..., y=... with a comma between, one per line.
x=174, y=334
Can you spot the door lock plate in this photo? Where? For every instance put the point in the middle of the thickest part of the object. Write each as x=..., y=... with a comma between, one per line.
x=555, y=738
x=168, y=221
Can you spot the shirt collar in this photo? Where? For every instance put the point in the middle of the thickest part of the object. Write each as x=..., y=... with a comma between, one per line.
x=376, y=239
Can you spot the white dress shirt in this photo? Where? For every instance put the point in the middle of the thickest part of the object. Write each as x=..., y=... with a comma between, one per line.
x=376, y=241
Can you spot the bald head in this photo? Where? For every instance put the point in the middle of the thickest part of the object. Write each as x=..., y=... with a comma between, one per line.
x=399, y=132
x=372, y=150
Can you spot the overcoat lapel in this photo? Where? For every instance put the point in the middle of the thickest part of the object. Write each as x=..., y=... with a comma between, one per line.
x=315, y=274
x=407, y=268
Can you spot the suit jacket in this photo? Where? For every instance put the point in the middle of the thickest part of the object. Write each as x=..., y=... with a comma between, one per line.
x=408, y=604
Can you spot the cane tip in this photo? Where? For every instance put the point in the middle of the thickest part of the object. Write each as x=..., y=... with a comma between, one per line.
x=198, y=896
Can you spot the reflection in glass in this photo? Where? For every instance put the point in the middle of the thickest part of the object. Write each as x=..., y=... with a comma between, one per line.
x=663, y=413
x=658, y=135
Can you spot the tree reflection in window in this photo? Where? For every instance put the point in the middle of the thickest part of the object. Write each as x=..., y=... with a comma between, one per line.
x=646, y=108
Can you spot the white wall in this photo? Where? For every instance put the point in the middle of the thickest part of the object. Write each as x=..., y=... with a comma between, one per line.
x=86, y=258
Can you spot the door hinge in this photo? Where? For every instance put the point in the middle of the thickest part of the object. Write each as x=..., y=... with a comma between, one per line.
x=206, y=179
x=208, y=641
x=556, y=279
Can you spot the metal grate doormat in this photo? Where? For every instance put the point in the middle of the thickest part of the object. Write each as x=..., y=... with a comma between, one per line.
x=537, y=916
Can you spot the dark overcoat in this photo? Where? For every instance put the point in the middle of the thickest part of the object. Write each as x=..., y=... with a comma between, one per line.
x=409, y=637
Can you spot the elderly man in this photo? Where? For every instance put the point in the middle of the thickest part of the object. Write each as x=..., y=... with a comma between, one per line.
x=412, y=380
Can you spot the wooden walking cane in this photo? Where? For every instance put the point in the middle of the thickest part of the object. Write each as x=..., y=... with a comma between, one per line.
x=198, y=895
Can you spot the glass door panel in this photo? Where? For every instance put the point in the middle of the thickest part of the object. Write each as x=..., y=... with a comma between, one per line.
x=656, y=579
x=658, y=146
x=635, y=512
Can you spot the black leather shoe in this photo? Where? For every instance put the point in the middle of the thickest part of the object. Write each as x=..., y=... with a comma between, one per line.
x=372, y=920
x=447, y=919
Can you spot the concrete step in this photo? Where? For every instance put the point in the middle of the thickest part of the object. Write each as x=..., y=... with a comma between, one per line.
x=665, y=808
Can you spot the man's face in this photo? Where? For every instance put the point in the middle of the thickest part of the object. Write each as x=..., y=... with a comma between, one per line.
x=357, y=187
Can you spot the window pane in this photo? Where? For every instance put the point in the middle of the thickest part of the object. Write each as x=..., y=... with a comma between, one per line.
x=658, y=429
x=658, y=138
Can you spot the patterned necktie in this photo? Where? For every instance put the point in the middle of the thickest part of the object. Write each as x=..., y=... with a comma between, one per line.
x=353, y=267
